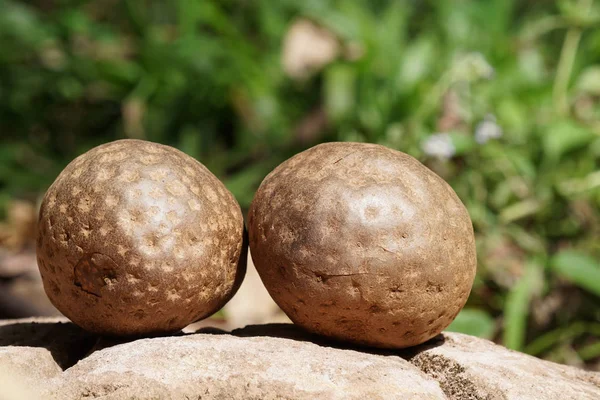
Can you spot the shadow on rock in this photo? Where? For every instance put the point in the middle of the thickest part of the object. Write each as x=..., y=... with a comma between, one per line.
x=66, y=342
x=294, y=332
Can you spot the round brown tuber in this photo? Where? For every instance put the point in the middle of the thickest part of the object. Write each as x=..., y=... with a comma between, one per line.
x=364, y=244
x=138, y=238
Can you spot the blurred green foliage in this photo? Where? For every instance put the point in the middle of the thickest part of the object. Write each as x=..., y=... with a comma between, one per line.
x=499, y=97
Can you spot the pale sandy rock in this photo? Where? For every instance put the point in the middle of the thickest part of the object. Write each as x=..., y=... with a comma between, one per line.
x=471, y=368
x=49, y=358
x=32, y=351
x=33, y=364
x=63, y=341
x=227, y=367
x=37, y=320
x=24, y=372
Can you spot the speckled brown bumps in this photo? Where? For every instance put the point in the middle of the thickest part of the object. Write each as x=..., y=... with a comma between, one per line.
x=137, y=238
x=363, y=243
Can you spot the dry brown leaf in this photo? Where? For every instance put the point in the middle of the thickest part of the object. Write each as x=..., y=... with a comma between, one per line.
x=308, y=47
x=16, y=264
x=19, y=229
x=133, y=111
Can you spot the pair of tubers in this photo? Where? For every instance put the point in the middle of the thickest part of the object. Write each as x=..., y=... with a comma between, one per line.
x=353, y=241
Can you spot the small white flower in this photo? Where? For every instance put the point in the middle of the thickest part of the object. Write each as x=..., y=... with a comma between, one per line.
x=439, y=145
x=473, y=67
x=487, y=129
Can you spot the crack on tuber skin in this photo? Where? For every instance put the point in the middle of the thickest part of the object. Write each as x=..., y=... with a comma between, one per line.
x=346, y=156
x=386, y=250
x=323, y=277
x=394, y=234
x=93, y=272
x=326, y=277
x=173, y=230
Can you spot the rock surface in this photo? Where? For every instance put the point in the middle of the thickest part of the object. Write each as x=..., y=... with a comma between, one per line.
x=225, y=366
x=471, y=368
x=56, y=360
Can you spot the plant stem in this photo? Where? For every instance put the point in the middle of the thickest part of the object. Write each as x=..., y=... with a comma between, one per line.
x=553, y=338
x=544, y=26
x=565, y=65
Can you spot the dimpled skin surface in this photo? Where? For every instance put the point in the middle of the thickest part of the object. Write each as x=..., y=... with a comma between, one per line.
x=364, y=244
x=138, y=238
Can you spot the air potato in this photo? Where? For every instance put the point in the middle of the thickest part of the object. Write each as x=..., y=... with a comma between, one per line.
x=138, y=238
x=364, y=244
